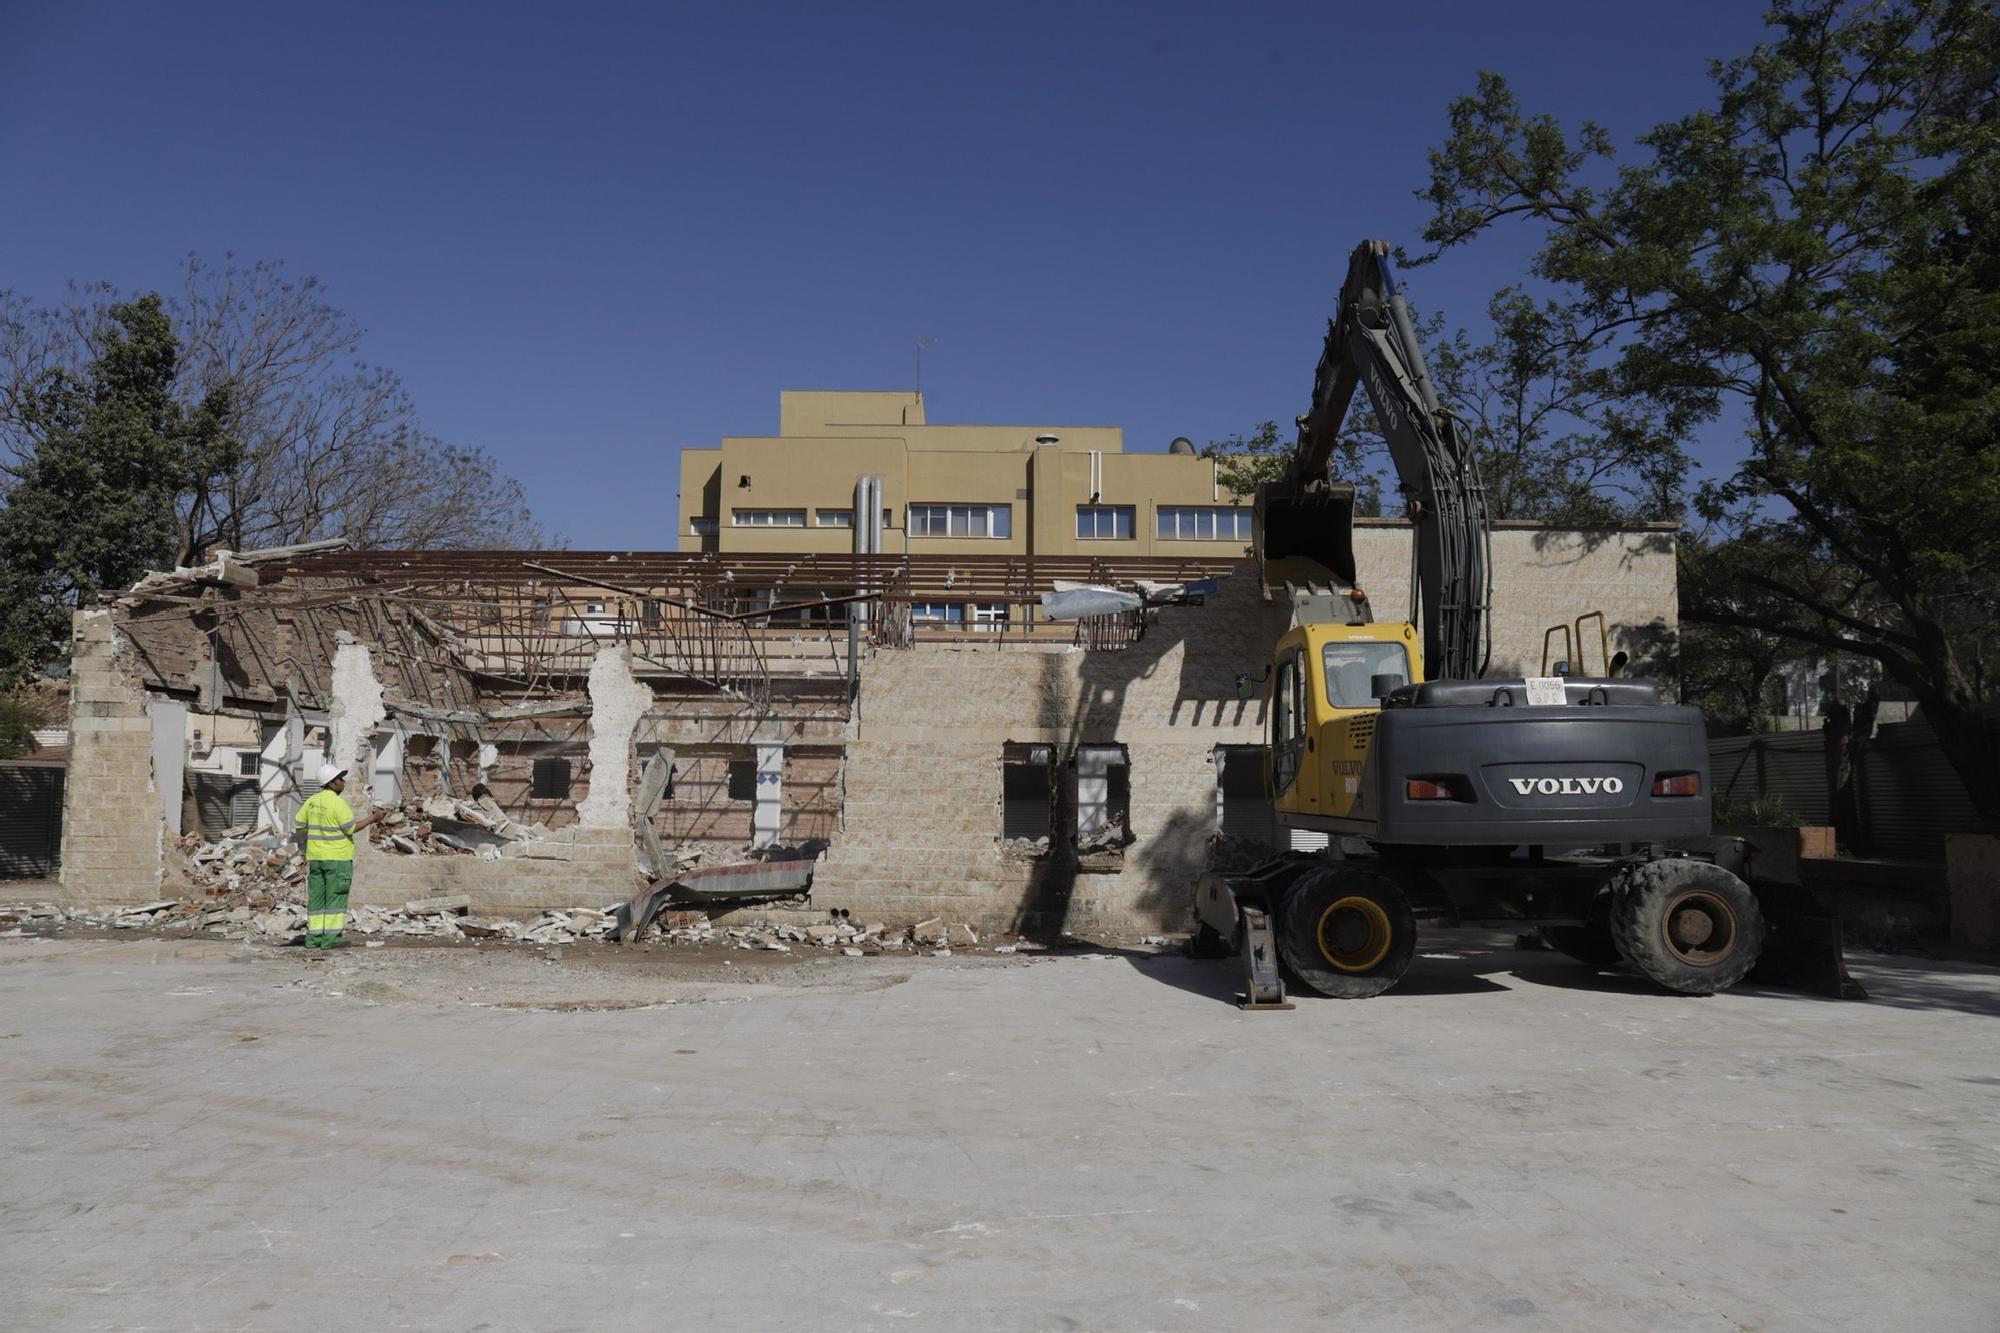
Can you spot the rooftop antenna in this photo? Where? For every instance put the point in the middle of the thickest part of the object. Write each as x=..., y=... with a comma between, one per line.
x=923, y=340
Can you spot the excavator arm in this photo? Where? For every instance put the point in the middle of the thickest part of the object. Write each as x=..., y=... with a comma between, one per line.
x=1308, y=518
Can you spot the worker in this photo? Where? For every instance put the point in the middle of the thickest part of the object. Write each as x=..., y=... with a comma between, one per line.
x=326, y=823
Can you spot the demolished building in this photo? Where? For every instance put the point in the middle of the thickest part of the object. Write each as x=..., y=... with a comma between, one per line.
x=576, y=720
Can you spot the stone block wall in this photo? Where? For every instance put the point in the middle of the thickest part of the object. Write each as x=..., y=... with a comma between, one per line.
x=113, y=836
x=1550, y=576
x=579, y=867
x=921, y=809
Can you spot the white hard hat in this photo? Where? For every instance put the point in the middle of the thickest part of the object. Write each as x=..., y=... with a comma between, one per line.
x=327, y=773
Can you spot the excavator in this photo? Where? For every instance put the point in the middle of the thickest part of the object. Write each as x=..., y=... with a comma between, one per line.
x=1577, y=806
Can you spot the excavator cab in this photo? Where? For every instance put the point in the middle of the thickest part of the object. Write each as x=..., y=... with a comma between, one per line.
x=1327, y=685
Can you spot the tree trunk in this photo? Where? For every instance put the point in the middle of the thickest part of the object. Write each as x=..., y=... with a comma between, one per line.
x=1847, y=732
x=1965, y=735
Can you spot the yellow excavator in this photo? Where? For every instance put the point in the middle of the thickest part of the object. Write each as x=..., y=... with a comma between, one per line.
x=1577, y=805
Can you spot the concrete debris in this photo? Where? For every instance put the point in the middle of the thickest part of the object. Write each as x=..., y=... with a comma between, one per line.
x=1112, y=836
x=275, y=913
x=459, y=903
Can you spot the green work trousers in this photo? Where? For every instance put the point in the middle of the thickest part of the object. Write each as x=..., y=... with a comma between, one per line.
x=327, y=886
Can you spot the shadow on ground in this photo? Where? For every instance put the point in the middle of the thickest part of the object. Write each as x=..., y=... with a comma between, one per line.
x=1463, y=963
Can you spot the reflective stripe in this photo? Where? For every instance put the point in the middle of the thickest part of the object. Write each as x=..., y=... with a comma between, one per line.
x=348, y=827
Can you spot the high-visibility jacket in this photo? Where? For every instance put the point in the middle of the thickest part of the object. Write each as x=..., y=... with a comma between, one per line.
x=328, y=822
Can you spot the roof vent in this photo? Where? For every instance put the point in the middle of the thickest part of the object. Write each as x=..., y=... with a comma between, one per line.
x=1181, y=445
x=1048, y=439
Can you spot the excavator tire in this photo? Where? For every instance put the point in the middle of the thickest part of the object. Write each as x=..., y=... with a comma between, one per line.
x=1346, y=931
x=1689, y=925
x=1590, y=944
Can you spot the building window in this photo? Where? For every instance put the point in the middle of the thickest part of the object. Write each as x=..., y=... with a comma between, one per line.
x=990, y=618
x=770, y=518
x=550, y=781
x=1204, y=523
x=246, y=763
x=1104, y=523
x=743, y=779
x=1241, y=808
x=932, y=520
x=834, y=518
x=703, y=527
x=1103, y=778
x=938, y=613
x=1027, y=794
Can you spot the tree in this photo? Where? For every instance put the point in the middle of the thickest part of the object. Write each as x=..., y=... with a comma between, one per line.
x=332, y=446
x=1813, y=255
x=1555, y=442
x=20, y=715
x=1244, y=463
x=95, y=504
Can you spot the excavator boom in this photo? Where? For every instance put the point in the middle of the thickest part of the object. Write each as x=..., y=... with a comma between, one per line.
x=1307, y=518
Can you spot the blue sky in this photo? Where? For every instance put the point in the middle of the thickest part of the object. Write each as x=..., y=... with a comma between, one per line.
x=588, y=235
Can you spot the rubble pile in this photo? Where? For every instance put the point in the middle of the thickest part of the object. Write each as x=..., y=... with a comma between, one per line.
x=242, y=858
x=445, y=825
x=257, y=914
x=237, y=862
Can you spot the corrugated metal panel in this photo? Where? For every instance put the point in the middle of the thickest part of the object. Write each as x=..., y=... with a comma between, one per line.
x=1910, y=795
x=1788, y=765
x=30, y=819
x=1241, y=808
x=222, y=801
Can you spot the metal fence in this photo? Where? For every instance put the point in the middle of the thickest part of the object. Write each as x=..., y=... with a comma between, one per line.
x=31, y=801
x=1909, y=796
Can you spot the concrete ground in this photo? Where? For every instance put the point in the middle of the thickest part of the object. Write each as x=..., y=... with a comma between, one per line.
x=197, y=1135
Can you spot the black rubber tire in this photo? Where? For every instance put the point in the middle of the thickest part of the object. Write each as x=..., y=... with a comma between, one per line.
x=1590, y=944
x=1647, y=897
x=1380, y=959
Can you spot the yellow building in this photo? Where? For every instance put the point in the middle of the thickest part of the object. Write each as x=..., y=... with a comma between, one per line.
x=951, y=490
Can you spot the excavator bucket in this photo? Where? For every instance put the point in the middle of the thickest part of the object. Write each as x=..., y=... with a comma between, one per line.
x=1305, y=537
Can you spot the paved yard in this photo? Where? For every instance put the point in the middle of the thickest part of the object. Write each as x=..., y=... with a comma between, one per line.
x=210, y=1136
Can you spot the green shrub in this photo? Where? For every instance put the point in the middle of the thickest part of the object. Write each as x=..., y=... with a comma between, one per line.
x=1765, y=811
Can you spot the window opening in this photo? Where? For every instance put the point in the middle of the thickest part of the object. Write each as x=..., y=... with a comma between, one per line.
x=1027, y=795
x=1102, y=523
x=1204, y=523
x=1242, y=811
x=550, y=780
x=1103, y=787
x=950, y=520
x=1352, y=666
x=743, y=779
x=1287, y=725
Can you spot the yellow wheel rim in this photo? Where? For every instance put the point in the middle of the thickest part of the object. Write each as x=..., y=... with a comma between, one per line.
x=1354, y=933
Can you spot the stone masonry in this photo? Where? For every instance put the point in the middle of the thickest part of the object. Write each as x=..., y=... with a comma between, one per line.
x=113, y=834
x=913, y=783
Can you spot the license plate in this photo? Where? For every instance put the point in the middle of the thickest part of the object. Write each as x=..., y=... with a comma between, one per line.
x=1546, y=690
